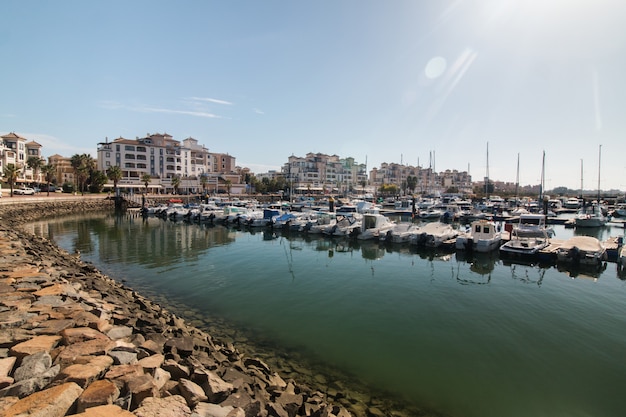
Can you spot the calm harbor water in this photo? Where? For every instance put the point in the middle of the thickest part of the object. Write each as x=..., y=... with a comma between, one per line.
x=469, y=337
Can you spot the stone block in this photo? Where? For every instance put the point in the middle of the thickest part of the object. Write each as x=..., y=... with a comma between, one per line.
x=105, y=411
x=101, y=392
x=6, y=365
x=36, y=344
x=52, y=402
x=172, y=406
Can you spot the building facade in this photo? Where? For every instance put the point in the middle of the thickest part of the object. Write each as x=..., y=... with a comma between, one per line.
x=317, y=172
x=16, y=150
x=426, y=179
x=163, y=158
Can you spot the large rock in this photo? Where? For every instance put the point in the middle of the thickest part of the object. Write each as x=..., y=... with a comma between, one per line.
x=6, y=365
x=85, y=374
x=33, y=366
x=105, y=411
x=34, y=345
x=173, y=406
x=215, y=387
x=52, y=402
x=101, y=392
x=141, y=388
x=192, y=392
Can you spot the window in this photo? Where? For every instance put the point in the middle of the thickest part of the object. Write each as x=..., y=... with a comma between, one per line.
x=129, y=156
x=141, y=148
x=129, y=148
x=108, y=154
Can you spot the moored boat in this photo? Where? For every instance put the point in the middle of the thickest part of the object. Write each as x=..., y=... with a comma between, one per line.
x=582, y=250
x=482, y=236
x=373, y=225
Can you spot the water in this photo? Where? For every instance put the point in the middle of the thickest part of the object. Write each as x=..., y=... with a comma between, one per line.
x=465, y=336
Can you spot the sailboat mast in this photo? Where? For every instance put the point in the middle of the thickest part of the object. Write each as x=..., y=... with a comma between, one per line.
x=487, y=174
x=517, y=184
x=543, y=176
x=599, y=165
x=581, y=179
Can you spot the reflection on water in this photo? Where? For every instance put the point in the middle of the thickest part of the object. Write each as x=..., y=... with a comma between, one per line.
x=467, y=334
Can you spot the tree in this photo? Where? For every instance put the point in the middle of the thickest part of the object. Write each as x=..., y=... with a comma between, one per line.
x=229, y=185
x=76, y=162
x=411, y=182
x=10, y=173
x=35, y=163
x=114, y=173
x=48, y=172
x=83, y=166
x=146, y=179
x=176, y=183
x=97, y=179
x=204, y=180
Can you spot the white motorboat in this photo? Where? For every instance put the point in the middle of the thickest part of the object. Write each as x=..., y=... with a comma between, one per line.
x=482, y=236
x=532, y=225
x=400, y=233
x=431, y=213
x=266, y=219
x=590, y=218
x=323, y=221
x=524, y=246
x=528, y=238
x=344, y=226
x=572, y=203
x=582, y=250
x=434, y=234
x=373, y=225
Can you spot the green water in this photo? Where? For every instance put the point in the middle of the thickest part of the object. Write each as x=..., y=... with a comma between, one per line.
x=467, y=337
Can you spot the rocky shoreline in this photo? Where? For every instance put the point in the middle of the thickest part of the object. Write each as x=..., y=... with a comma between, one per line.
x=75, y=342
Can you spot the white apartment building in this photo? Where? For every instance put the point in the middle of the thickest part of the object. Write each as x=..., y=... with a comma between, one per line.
x=15, y=149
x=163, y=157
x=428, y=181
x=319, y=172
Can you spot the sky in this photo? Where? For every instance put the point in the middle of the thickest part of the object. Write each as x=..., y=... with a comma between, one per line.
x=434, y=82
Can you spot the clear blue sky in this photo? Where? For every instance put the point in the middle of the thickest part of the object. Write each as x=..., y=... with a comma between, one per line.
x=390, y=81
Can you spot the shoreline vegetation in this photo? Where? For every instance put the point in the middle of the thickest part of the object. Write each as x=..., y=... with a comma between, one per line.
x=77, y=342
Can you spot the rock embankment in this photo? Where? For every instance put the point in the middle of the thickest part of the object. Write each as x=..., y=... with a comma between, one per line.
x=75, y=342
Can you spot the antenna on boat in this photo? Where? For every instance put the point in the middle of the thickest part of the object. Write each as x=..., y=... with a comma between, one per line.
x=487, y=174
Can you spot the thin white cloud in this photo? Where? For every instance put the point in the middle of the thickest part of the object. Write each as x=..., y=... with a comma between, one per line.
x=257, y=111
x=8, y=116
x=212, y=100
x=172, y=111
x=114, y=105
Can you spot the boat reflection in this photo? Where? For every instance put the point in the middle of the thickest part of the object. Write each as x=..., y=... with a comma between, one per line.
x=482, y=264
x=582, y=271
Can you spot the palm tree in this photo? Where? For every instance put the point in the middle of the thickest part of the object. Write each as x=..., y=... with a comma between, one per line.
x=48, y=172
x=146, y=179
x=83, y=165
x=229, y=185
x=176, y=183
x=11, y=172
x=35, y=163
x=114, y=173
x=204, y=180
x=76, y=161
